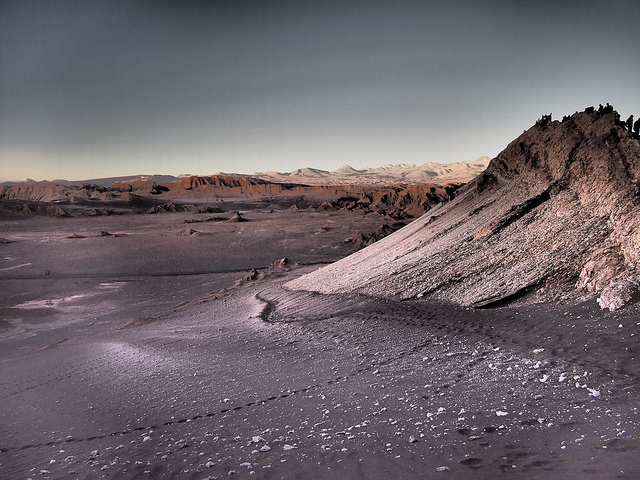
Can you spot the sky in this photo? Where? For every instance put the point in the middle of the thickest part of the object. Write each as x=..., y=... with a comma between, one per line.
x=92, y=89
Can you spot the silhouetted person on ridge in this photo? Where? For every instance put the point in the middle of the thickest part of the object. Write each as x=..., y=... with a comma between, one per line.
x=630, y=123
x=636, y=127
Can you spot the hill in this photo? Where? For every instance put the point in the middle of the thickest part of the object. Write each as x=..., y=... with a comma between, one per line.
x=554, y=217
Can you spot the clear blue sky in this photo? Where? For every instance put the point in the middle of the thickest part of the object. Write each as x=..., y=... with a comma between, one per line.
x=105, y=88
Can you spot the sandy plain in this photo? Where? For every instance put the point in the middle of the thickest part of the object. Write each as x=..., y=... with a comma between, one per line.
x=138, y=354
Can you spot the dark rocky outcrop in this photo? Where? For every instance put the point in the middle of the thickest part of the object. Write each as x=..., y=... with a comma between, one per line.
x=396, y=201
x=176, y=207
x=361, y=240
x=555, y=216
x=194, y=182
x=237, y=218
x=28, y=209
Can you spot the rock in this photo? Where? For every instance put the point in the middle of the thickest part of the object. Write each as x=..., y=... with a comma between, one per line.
x=472, y=462
x=326, y=207
x=558, y=203
x=282, y=263
x=164, y=208
x=199, y=182
x=253, y=275
x=237, y=217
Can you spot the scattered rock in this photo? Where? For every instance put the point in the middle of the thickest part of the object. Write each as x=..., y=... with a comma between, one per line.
x=282, y=263
x=253, y=275
x=326, y=207
x=237, y=217
x=164, y=208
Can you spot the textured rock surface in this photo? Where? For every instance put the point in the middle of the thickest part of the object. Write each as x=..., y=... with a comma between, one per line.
x=398, y=201
x=555, y=216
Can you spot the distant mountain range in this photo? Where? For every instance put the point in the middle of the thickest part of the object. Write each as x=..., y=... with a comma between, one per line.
x=461, y=172
x=404, y=173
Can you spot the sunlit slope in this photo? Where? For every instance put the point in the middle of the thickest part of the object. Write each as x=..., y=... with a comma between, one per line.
x=554, y=216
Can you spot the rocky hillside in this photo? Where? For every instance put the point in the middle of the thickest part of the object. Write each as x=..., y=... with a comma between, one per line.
x=555, y=216
x=216, y=181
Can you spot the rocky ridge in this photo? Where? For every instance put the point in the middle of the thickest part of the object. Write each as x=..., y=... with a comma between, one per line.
x=555, y=216
x=217, y=181
x=195, y=194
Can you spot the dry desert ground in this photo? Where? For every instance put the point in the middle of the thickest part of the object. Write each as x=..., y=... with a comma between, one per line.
x=133, y=347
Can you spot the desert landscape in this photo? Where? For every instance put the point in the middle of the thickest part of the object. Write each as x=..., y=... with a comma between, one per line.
x=259, y=327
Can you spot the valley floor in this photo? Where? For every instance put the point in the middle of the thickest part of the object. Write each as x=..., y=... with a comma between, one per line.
x=145, y=359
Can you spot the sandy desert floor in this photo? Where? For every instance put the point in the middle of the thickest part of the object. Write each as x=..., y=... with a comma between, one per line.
x=135, y=356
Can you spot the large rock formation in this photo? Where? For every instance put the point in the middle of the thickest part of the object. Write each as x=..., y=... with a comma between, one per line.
x=50, y=192
x=555, y=216
x=217, y=181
